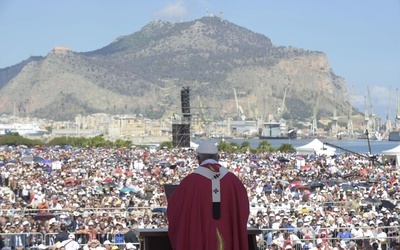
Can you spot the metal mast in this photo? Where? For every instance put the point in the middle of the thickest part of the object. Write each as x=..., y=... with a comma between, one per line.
x=366, y=116
x=240, y=115
x=349, y=121
x=314, y=128
x=371, y=122
x=388, y=116
x=335, y=123
x=282, y=108
x=397, y=105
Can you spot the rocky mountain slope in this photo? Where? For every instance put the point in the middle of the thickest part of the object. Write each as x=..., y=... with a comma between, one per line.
x=143, y=73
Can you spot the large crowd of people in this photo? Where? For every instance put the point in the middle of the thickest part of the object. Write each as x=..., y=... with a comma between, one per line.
x=95, y=197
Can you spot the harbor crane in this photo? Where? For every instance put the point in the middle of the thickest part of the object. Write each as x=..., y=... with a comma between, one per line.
x=350, y=130
x=240, y=113
x=281, y=109
x=366, y=116
x=371, y=121
x=397, y=106
x=388, y=122
x=314, y=127
x=335, y=123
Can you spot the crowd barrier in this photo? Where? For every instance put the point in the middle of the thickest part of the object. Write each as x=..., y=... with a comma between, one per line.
x=302, y=207
x=98, y=211
x=266, y=239
x=307, y=206
x=9, y=238
x=266, y=236
x=33, y=240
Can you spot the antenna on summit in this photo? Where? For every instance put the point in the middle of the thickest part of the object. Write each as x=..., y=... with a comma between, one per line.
x=221, y=16
x=207, y=12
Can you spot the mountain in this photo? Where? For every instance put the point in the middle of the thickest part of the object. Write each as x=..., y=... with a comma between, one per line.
x=143, y=73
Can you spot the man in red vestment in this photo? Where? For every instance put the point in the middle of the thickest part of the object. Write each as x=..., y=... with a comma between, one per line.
x=210, y=208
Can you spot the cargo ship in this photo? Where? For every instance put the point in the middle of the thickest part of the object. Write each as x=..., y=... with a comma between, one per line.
x=394, y=136
x=276, y=130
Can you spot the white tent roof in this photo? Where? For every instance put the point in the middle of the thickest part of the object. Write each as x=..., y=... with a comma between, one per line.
x=193, y=145
x=315, y=147
x=393, y=151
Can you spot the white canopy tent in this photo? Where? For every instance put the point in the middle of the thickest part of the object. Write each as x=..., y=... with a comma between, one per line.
x=315, y=147
x=392, y=155
x=194, y=145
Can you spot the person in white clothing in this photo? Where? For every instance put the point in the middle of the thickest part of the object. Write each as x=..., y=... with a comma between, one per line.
x=367, y=233
x=70, y=243
x=356, y=231
x=381, y=236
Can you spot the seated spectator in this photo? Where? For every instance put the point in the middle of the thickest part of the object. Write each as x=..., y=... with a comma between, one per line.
x=43, y=206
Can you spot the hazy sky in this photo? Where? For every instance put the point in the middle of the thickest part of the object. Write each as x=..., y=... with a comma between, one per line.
x=361, y=38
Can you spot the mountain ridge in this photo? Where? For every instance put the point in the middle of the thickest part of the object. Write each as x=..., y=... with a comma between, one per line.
x=142, y=73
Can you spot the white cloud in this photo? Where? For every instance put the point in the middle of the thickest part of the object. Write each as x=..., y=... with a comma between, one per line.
x=175, y=11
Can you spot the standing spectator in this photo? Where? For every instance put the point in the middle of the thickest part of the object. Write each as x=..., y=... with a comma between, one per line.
x=18, y=241
x=307, y=243
x=356, y=231
x=9, y=230
x=119, y=234
x=1, y=242
x=27, y=232
x=82, y=234
x=50, y=237
x=381, y=236
x=91, y=230
x=210, y=208
x=307, y=230
x=25, y=193
x=344, y=233
x=103, y=233
x=70, y=243
x=34, y=237
x=62, y=235
x=77, y=220
x=130, y=236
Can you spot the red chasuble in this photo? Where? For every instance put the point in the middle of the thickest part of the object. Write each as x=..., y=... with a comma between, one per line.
x=192, y=221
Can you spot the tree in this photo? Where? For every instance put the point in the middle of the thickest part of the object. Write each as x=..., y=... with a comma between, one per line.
x=15, y=139
x=122, y=143
x=224, y=146
x=229, y=147
x=166, y=144
x=245, y=146
x=98, y=141
x=286, y=147
x=234, y=147
x=264, y=146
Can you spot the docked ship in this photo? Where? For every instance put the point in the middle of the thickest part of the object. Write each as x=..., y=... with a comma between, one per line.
x=394, y=136
x=25, y=130
x=375, y=137
x=276, y=130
